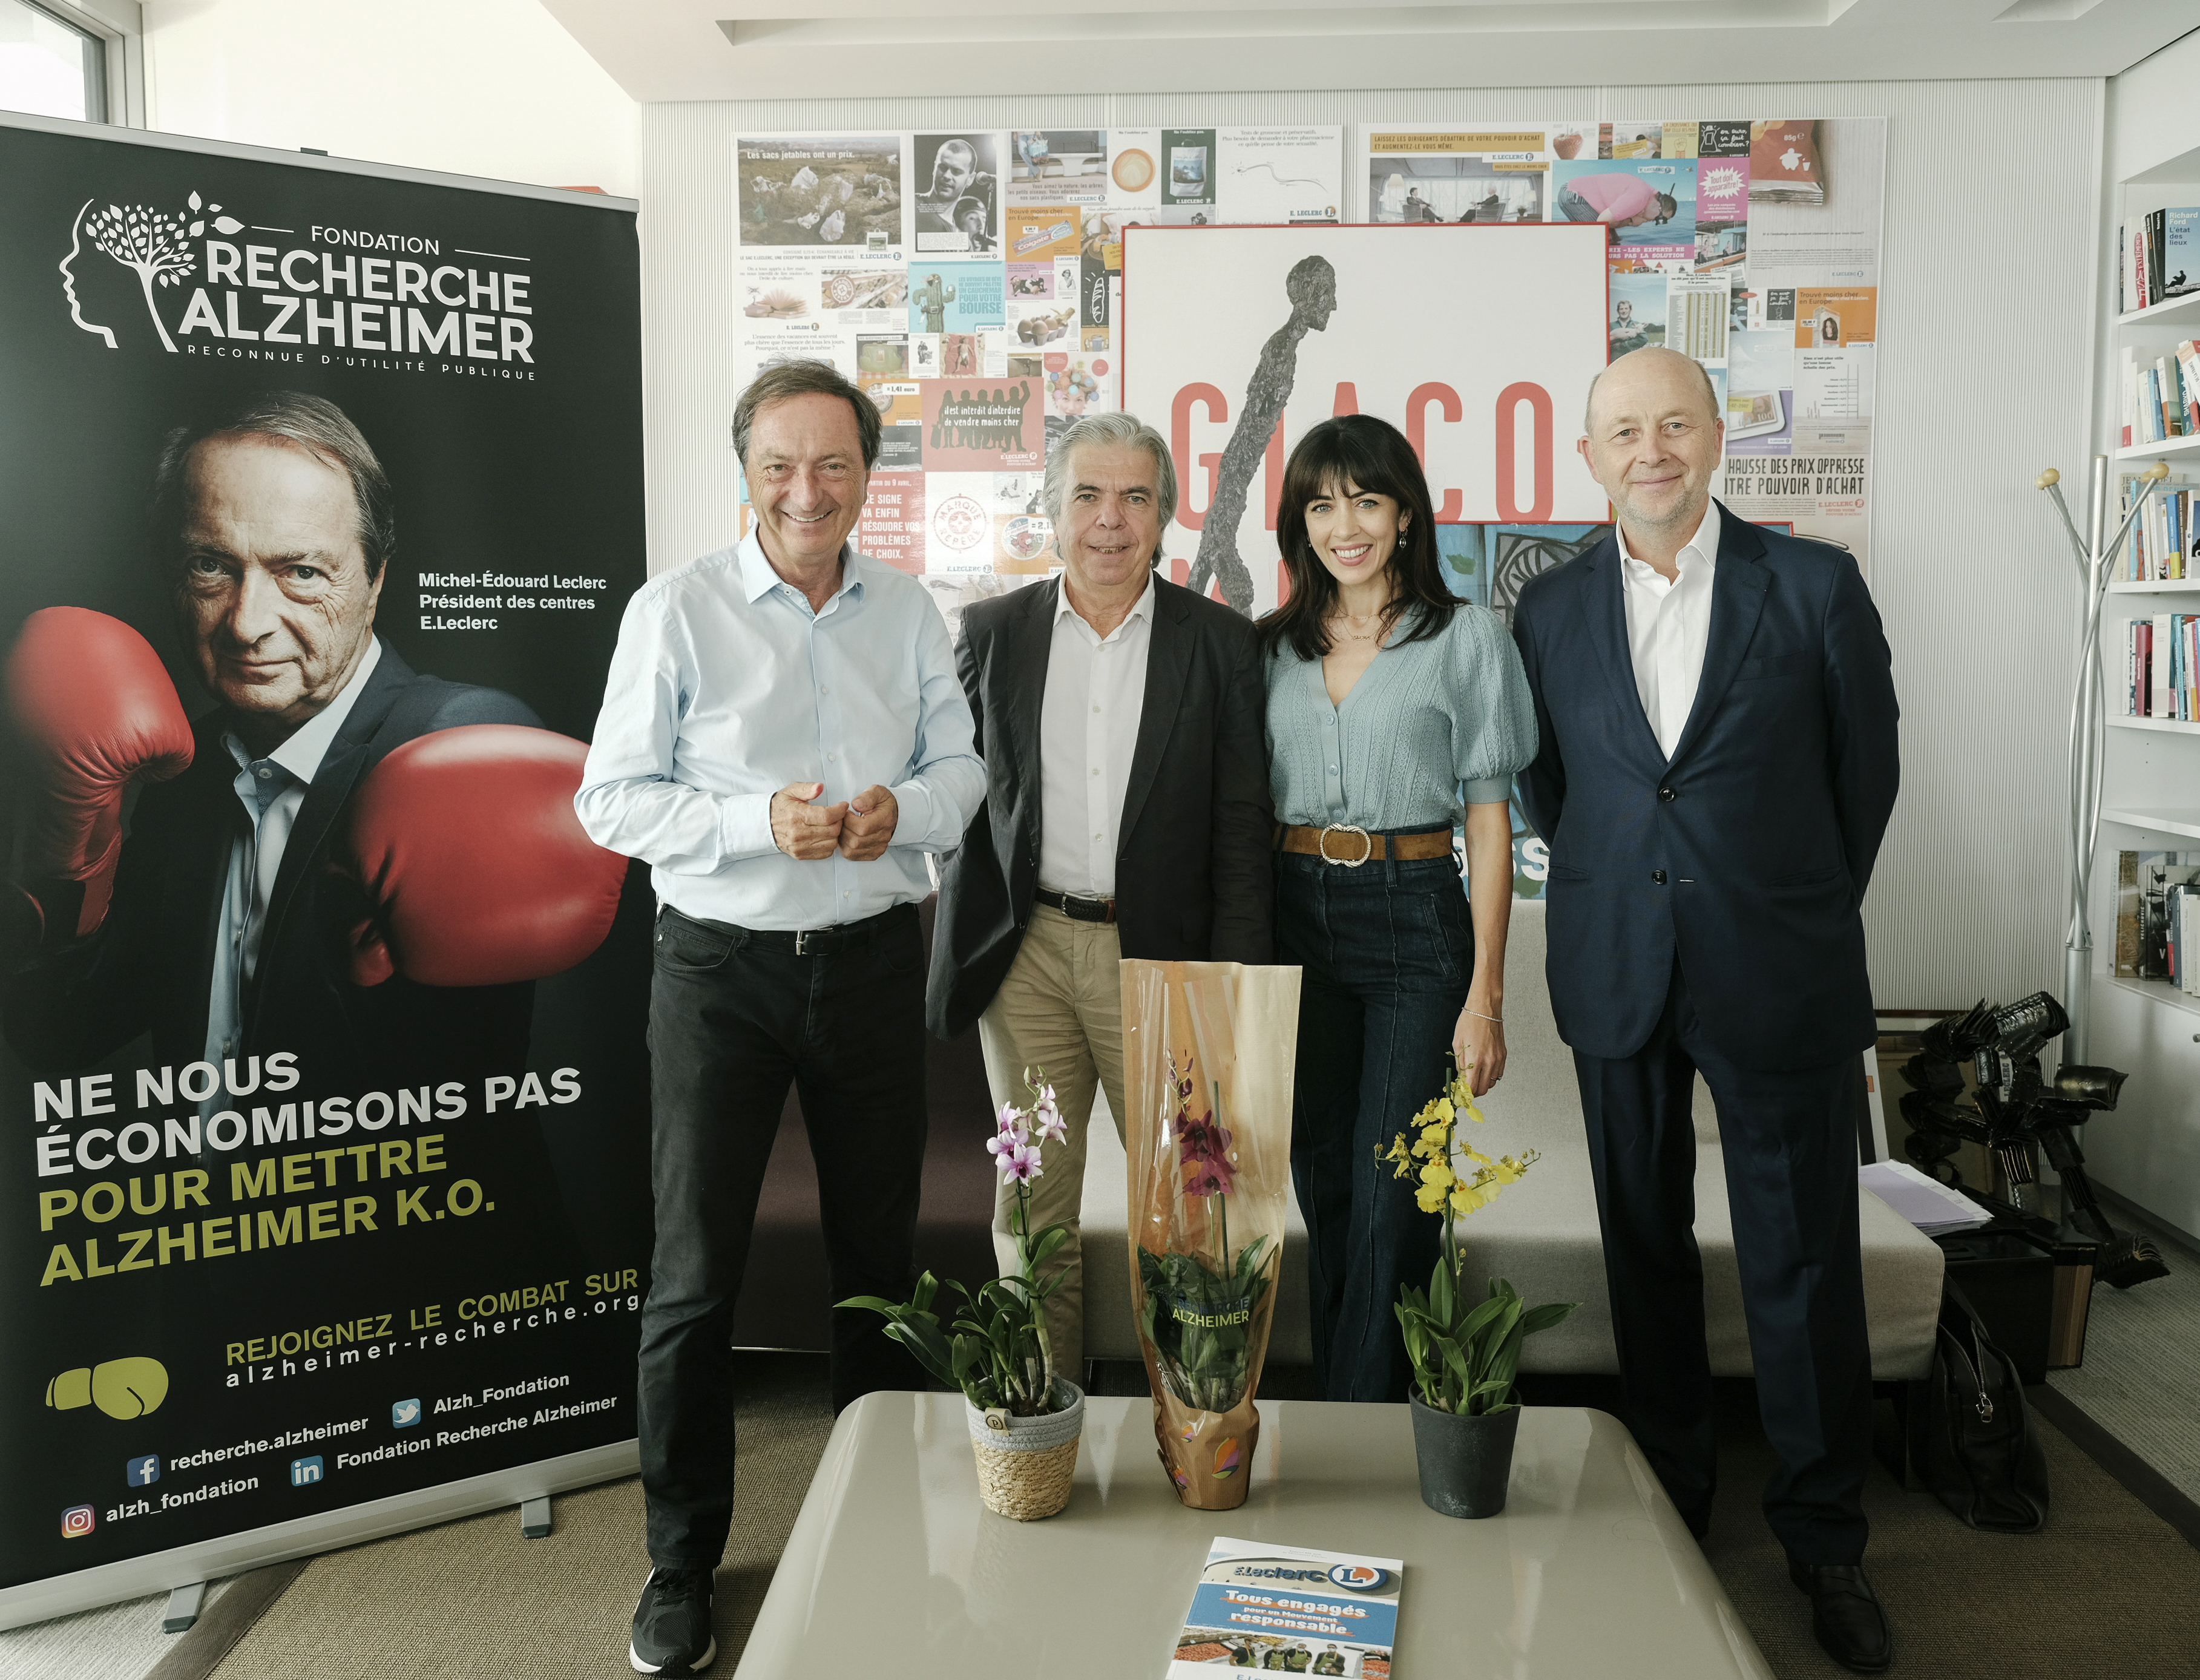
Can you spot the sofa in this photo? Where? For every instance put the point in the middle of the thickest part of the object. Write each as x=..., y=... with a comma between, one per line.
x=1541, y=1233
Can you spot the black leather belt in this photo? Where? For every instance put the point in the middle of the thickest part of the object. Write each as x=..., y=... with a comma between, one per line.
x=1077, y=908
x=809, y=941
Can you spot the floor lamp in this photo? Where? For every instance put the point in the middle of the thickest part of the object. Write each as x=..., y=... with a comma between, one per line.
x=2086, y=730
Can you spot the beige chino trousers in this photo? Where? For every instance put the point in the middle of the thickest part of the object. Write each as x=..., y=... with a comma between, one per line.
x=1060, y=1009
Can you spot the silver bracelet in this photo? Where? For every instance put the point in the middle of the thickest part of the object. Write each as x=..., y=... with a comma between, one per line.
x=1479, y=1016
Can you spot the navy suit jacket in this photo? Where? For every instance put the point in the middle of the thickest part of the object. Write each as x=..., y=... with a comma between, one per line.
x=1747, y=854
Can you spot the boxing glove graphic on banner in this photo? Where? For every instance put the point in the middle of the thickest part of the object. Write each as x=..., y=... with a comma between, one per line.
x=93, y=706
x=474, y=867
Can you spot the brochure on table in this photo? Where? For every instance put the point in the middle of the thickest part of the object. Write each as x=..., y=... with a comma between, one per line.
x=1325, y=1612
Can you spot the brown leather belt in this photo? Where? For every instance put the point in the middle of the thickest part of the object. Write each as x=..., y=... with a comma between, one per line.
x=1349, y=844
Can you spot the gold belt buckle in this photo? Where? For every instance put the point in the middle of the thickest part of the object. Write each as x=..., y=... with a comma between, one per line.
x=1366, y=843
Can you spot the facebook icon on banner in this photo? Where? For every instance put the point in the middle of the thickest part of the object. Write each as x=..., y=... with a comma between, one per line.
x=305, y=1471
x=141, y=1471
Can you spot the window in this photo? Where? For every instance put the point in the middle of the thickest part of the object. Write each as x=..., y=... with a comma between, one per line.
x=48, y=67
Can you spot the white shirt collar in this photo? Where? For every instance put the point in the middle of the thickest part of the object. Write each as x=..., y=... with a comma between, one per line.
x=1142, y=608
x=758, y=579
x=1704, y=544
x=308, y=744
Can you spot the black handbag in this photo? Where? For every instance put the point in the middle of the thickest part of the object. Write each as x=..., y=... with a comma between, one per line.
x=1971, y=1435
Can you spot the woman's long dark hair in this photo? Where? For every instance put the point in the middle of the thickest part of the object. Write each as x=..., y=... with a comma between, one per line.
x=1360, y=452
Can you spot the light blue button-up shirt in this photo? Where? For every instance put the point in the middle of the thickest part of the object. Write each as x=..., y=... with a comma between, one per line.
x=726, y=688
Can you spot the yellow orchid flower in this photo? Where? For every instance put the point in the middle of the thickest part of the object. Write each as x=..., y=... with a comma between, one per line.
x=1465, y=1198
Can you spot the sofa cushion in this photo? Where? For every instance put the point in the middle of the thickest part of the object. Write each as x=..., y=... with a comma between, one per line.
x=1541, y=1234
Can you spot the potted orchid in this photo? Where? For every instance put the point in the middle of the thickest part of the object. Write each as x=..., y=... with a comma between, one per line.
x=1025, y=1417
x=1465, y=1353
x=1198, y=1311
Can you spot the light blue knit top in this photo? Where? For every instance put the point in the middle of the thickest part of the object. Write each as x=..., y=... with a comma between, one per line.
x=1430, y=728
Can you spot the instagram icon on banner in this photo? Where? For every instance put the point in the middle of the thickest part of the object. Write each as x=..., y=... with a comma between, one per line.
x=76, y=1522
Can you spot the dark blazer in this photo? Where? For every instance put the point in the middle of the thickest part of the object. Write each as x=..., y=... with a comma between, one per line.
x=1747, y=855
x=149, y=965
x=1193, y=862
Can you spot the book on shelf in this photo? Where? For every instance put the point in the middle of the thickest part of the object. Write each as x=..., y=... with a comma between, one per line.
x=2160, y=547
x=2161, y=667
x=2186, y=898
x=2180, y=251
x=2154, y=911
x=2160, y=258
x=2161, y=395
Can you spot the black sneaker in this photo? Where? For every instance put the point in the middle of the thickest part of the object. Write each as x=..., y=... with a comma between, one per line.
x=672, y=1624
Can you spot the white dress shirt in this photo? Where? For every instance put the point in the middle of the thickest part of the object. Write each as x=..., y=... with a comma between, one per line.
x=271, y=789
x=1088, y=728
x=1668, y=625
x=726, y=687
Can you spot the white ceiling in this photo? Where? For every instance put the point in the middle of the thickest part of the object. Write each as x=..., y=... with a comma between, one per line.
x=679, y=50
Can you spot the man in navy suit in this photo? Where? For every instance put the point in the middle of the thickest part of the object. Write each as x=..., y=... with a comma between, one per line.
x=1718, y=763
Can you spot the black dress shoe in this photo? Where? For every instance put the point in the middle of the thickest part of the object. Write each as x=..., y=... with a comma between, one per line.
x=1845, y=1614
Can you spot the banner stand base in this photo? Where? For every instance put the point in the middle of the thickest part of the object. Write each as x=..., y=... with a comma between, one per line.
x=184, y=1604
x=185, y=1569
x=535, y=1518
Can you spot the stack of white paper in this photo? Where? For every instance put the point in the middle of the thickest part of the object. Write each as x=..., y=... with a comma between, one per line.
x=1925, y=1202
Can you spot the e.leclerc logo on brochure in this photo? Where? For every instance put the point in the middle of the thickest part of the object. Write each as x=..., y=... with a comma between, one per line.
x=1360, y=1577
x=319, y=293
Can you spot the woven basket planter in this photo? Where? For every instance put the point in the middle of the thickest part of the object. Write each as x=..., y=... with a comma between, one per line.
x=1025, y=1464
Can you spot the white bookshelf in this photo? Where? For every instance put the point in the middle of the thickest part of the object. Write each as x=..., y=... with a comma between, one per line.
x=2176, y=312
x=2162, y=449
x=2183, y=821
x=2158, y=991
x=2150, y=766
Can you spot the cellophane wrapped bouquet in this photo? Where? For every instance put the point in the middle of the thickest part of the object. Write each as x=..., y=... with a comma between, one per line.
x=1209, y=1051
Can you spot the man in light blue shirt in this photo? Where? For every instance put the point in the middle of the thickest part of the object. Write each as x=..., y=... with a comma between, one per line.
x=783, y=737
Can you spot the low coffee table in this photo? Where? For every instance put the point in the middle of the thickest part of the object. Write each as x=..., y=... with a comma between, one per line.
x=895, y=1567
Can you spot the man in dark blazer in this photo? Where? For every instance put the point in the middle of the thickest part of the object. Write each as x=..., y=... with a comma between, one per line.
x=229, y=924
x=1718, y=762
x=1126, y=813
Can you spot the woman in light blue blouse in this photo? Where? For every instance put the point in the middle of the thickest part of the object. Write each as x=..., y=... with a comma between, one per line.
x=1395, y=710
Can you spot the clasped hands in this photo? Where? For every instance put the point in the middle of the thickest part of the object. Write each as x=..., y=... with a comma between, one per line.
x=859, y=829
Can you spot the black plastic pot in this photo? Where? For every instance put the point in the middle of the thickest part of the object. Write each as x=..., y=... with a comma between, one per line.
x=1465, y=1463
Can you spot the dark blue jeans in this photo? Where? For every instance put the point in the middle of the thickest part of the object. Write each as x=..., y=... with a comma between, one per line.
x=1387, y=950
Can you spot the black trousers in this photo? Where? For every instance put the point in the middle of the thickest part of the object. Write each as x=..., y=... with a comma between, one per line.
x=733, y=1018
x=1790, y=1143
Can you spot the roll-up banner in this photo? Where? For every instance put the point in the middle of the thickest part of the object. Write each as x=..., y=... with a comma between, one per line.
x=323, y=1194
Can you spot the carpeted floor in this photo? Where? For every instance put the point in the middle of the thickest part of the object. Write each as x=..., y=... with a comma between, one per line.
x=116, y=1642
x=2108, y=1589
x=473, y=1601
x=2141, y=1378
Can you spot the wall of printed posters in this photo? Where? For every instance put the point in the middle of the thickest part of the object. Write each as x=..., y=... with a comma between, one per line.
x=321, y=1038
x=985, y=268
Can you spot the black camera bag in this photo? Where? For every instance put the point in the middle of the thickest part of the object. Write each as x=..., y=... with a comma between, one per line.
x=1971, y=1436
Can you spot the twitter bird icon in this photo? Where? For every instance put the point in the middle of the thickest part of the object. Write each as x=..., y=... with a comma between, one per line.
x=405, y=1413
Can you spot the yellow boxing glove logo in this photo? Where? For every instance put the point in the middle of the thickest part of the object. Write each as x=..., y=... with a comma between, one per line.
x=121, y=1388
